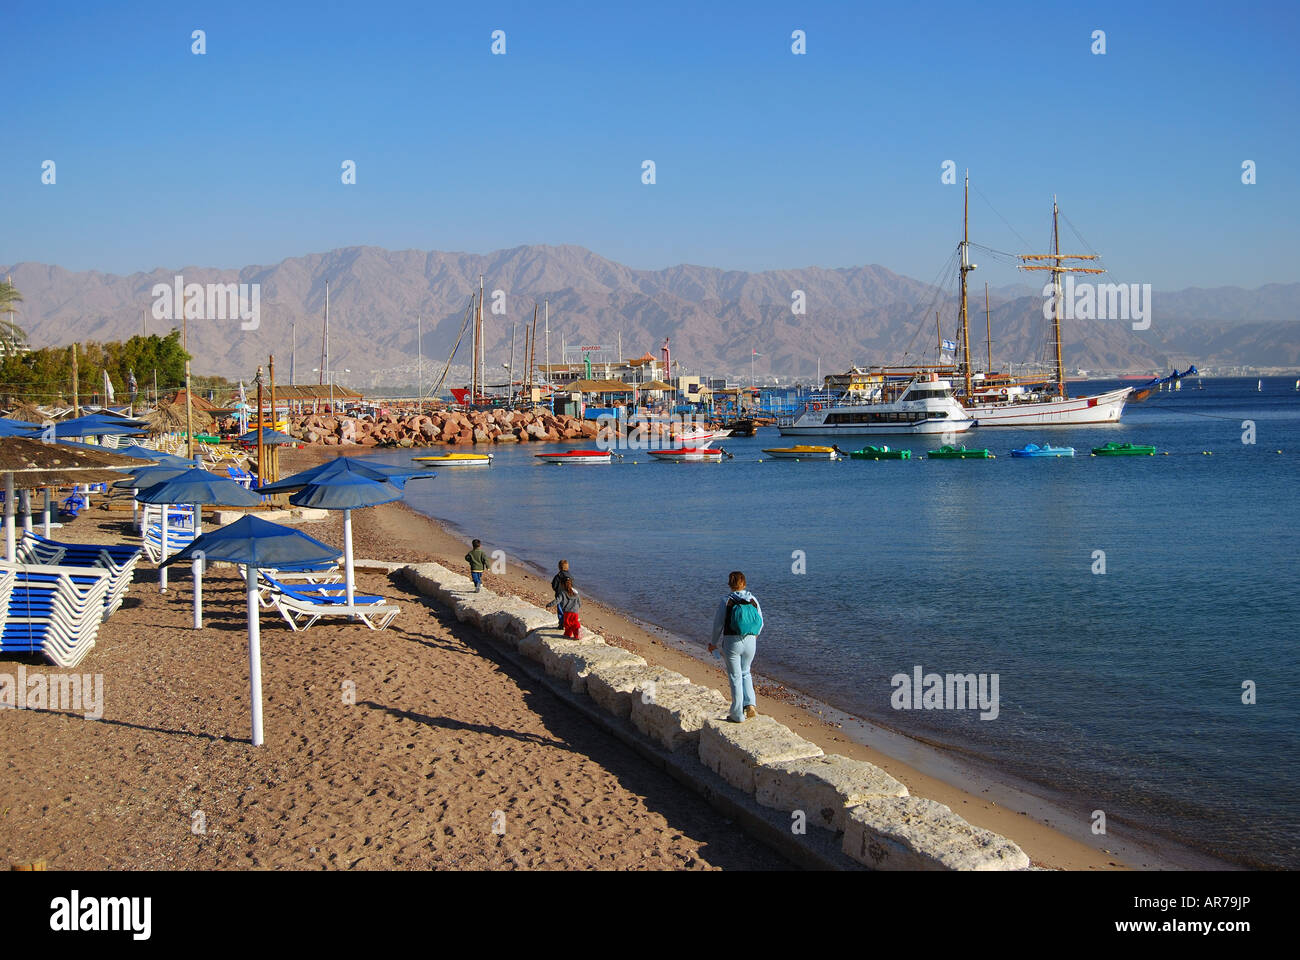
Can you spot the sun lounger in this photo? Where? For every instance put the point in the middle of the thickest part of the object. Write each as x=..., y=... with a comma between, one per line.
x=302, y=606
x=177, y=540
x=53, y=610
x=118, y=559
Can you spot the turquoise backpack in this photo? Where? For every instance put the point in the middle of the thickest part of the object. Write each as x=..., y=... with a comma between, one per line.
x=743, y=618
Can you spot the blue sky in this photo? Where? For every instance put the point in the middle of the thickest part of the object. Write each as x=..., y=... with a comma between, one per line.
x=764, y=159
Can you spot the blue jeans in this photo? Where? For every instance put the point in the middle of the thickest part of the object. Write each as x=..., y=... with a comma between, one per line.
x=737, y=655
x=478, y=577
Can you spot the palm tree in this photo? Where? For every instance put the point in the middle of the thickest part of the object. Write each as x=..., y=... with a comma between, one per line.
x=11, y=335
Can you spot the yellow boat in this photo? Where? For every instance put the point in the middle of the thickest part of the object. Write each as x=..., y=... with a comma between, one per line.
x=805, y=453
x=458, y=459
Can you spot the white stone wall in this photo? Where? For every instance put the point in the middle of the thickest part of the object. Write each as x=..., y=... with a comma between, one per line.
x=883, y=827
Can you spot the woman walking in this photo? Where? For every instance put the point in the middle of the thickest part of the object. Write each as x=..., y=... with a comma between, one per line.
x=736, y=627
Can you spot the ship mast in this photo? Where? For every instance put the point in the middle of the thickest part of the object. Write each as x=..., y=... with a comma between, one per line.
x=1057, y=268
x=966, y=267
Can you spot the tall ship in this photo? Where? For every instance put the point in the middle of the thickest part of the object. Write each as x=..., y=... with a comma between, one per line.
x=1001, y=400
x=876, y=403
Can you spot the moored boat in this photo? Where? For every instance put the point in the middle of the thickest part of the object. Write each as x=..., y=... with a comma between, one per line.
x=880, y=453
x=804, y=452
x=920, y=403
x=1046, y=450
x=688, y=454
x=457, y=459
x=1114, y=449
x=575, y=456
x=949, y=452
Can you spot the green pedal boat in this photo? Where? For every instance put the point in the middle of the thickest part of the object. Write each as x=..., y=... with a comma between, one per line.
x=949, y=452
x=880, y=453
x=1124, y=450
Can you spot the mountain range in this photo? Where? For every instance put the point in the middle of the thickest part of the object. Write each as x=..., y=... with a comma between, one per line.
x=716, y=319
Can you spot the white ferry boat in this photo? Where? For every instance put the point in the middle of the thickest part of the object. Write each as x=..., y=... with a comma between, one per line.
x=923, y=405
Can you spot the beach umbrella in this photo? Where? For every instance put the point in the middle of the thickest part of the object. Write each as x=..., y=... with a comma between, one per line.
x=146, y=476
x=269, y=436
x=349, y=466
x=95, y=425
x=30, y=464
x=256, y=544
x=347, y=484
x=17, y=428
x=196, y=486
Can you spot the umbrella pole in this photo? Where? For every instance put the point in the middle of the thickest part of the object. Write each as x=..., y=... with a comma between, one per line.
x=11, y=548
x=198, y=593
x=162, y=571
x=254, y=654
x=347, y=557
x=27, y=511
x=48, y=510
x=135, y=508
x=198, y=571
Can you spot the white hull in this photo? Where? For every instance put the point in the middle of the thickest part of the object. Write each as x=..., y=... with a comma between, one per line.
x=1074, y=411
x=686, y=457
x=868, y=430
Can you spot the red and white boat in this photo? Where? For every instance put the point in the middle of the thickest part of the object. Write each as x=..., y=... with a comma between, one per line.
x=688, y=454
x=576, y=456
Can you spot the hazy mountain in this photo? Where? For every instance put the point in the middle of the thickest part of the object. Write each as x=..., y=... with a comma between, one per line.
x=714, y=317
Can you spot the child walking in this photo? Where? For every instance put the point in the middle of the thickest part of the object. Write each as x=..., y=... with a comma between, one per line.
x=566, y=604
x=478, y=562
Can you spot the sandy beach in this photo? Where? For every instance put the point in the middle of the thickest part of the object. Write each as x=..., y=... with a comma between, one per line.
x=450, y=757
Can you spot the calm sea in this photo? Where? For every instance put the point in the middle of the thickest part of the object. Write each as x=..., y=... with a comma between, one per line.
x=1121, y=691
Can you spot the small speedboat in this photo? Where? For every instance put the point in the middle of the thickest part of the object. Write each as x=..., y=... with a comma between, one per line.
x=688, y=454
x=1046, y=450
x=880, y=453
x=457, y=459
x=575, y=456
x=803, y=452
x=949, y=452
x=1113, y=449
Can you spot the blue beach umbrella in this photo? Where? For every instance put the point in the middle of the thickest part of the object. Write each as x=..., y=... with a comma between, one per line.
x=17, y=428
x=96, y=425
x=349, y=466
x=256, y=544
x=270, y=436
x=196, y=486
x=347, y=484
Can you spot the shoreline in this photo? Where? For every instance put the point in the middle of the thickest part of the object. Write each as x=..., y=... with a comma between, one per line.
x=985, y=796
x=980, y=793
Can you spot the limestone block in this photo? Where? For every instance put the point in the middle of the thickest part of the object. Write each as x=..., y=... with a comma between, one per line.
x=912, y=833
x=614, y=687
x=824, y=788
x=516, y=619
x=572, y=664
x=733, y=750
x=673, y=716
x=540, y=642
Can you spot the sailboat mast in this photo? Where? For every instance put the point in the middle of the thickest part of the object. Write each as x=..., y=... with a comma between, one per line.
x=479, y=339
x=966, y=267
x=1056, y=285
x=988, y=329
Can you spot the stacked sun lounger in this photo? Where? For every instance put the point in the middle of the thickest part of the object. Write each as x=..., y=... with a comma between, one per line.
x=53, y=610
x=177, y=539
x=118, y=560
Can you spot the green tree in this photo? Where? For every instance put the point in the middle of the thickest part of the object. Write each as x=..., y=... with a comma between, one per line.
x=11, y=334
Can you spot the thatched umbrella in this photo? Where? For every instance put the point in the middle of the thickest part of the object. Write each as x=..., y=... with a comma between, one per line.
x=31, y=464
x=28, y=412
x=170, y=418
